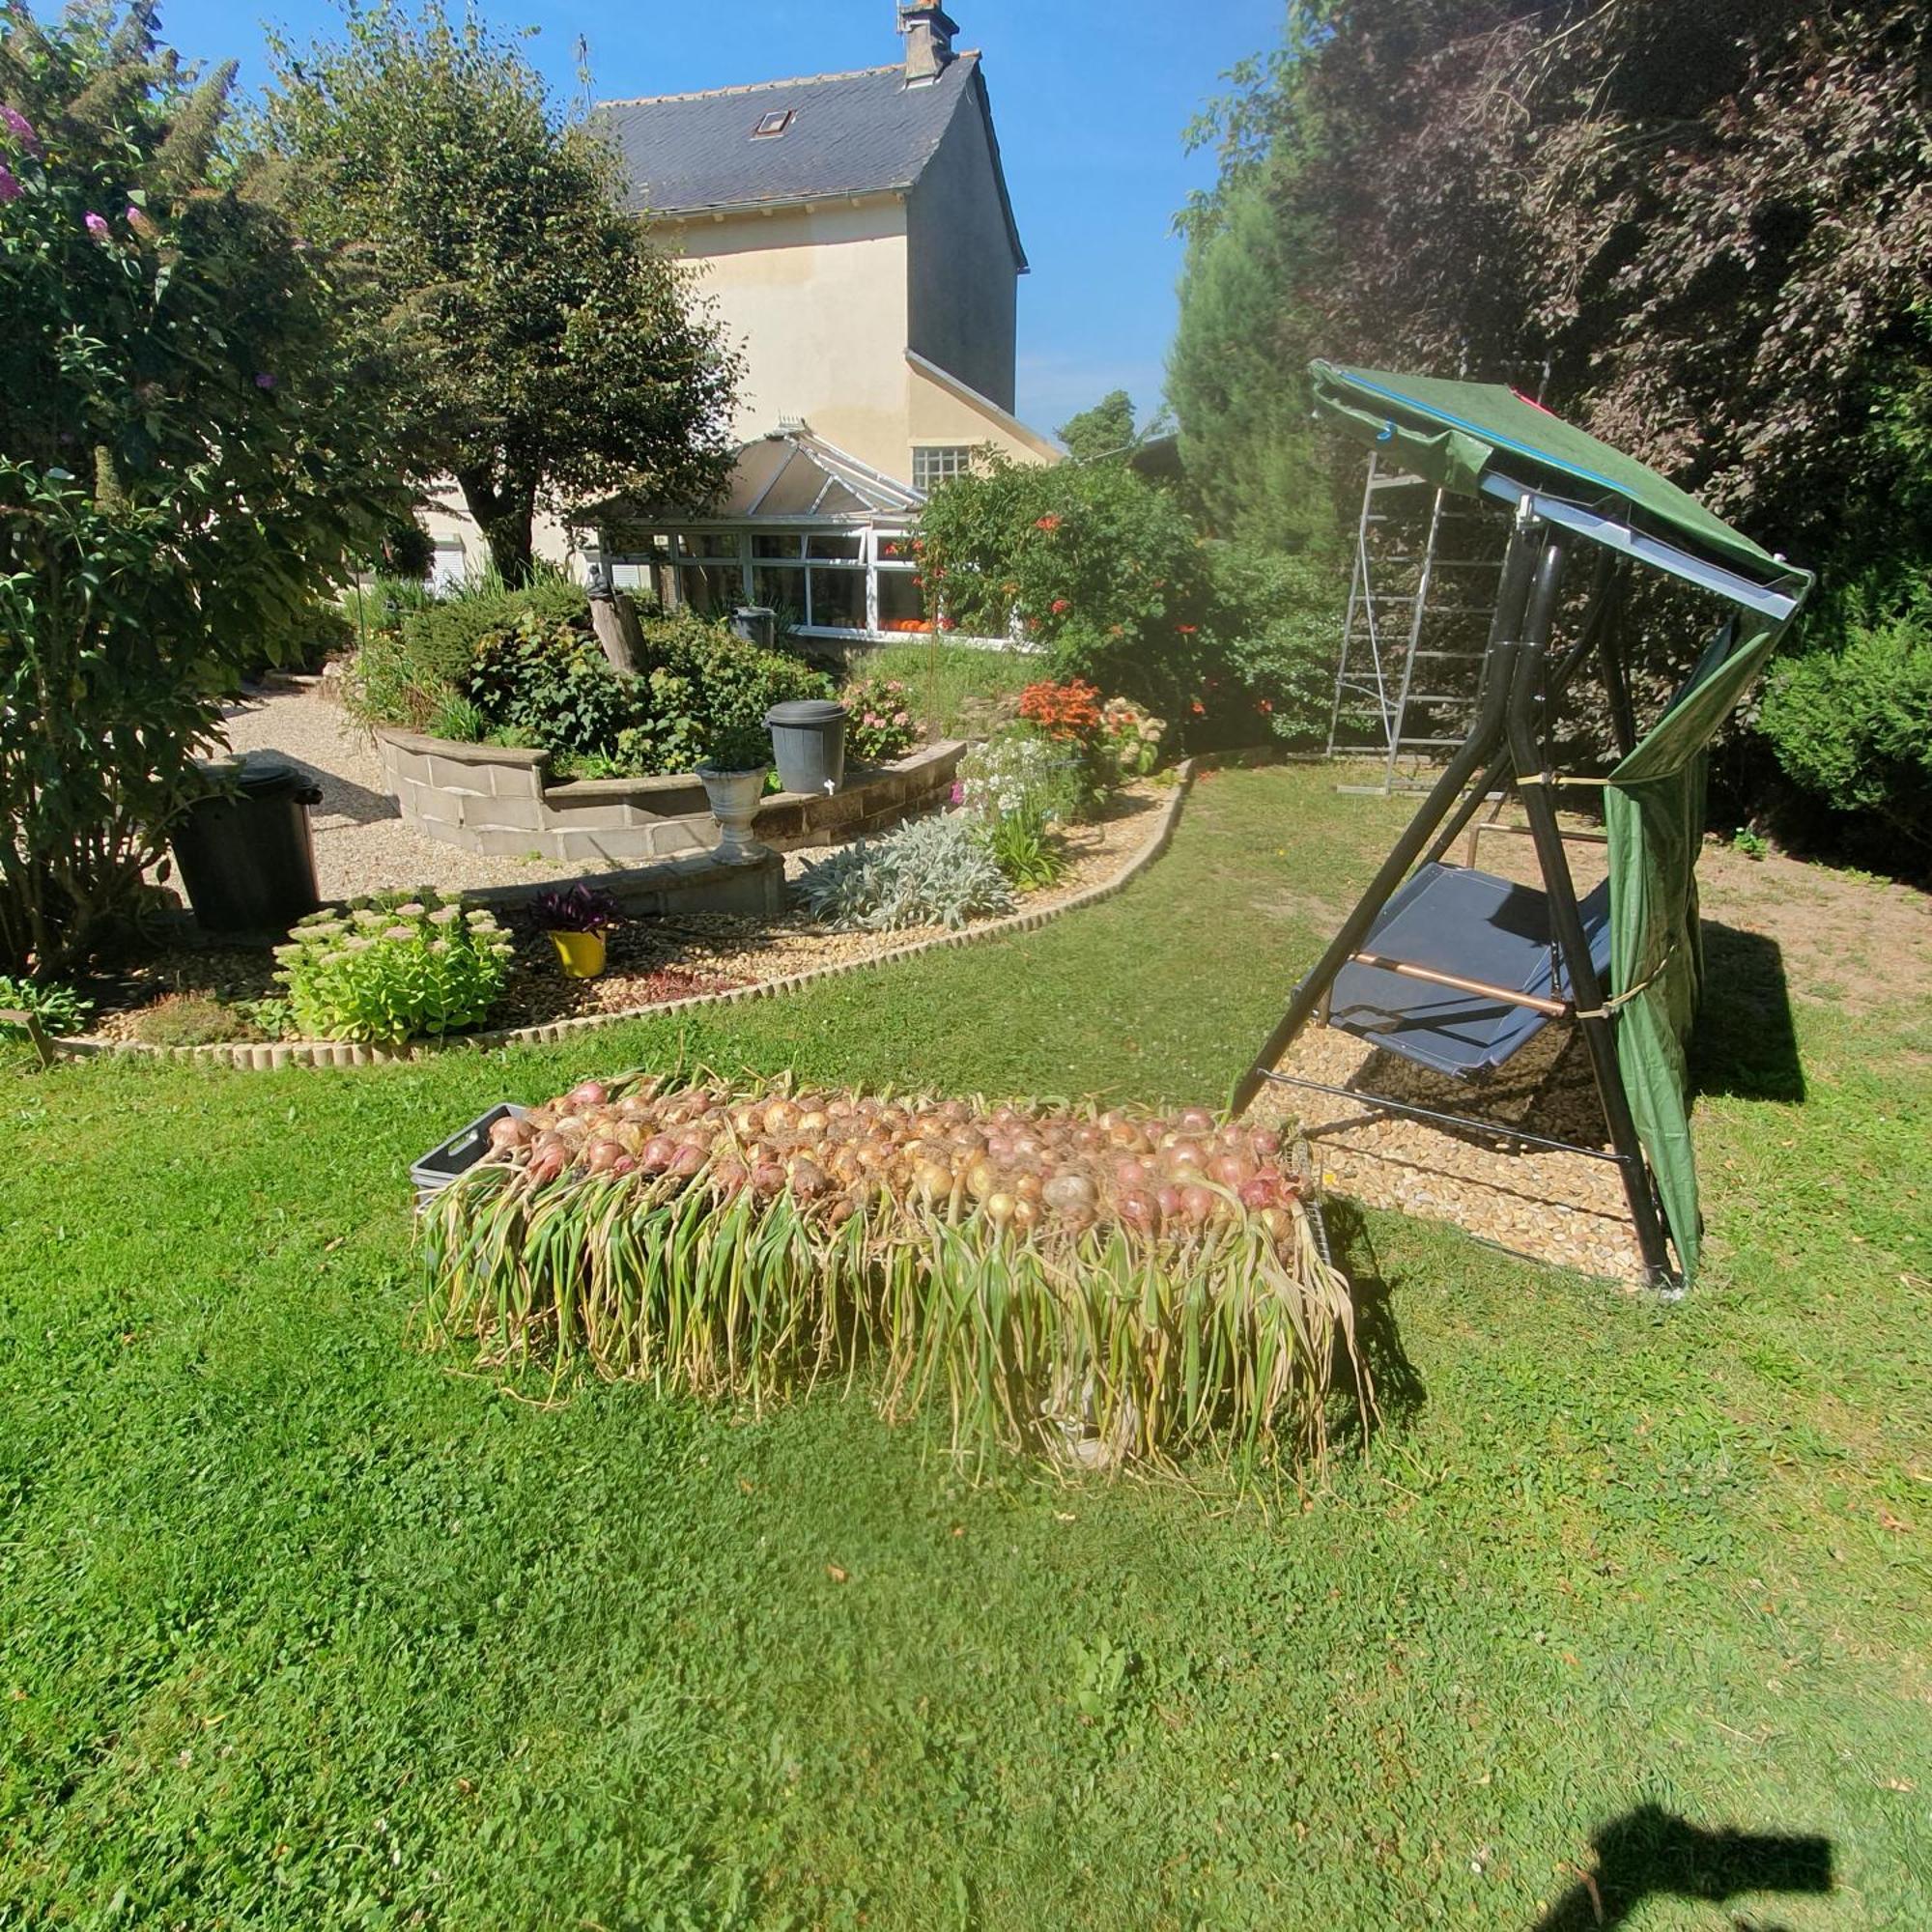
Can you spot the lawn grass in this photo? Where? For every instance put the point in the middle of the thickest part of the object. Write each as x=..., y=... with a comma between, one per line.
x=298, y=1627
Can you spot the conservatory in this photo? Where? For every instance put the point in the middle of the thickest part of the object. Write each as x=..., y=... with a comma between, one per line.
x=801, y=529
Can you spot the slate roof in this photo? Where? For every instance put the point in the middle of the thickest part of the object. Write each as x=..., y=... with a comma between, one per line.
x=865, y=132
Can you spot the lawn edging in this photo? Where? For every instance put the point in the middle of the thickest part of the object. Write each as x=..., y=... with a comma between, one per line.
x=260, y=1054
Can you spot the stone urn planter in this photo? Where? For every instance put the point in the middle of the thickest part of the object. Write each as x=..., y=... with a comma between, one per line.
x=734, y=798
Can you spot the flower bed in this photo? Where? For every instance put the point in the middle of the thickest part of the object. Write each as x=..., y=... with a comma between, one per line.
x=206, y=1000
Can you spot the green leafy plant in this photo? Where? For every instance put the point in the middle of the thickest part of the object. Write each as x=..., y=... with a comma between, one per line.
x=548, y=680
x=460, y=720
x=58, y=1009
x=930, y=872
x=1127, y=739
x=1749, y=844
x=199, y=437
x=1026, y=849
x=1020, y=772
x=741, y=744
x=880, y=723
x=392, y=967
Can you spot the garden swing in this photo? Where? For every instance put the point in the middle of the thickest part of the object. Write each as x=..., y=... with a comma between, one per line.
x=1457, y=970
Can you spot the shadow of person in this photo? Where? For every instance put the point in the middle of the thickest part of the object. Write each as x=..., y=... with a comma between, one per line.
x=1399, y=1394
x=1744, y=1042
x=1649, y=1850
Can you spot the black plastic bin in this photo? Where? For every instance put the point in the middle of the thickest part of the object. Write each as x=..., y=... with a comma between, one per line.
x=808, y=742
x=245, y=853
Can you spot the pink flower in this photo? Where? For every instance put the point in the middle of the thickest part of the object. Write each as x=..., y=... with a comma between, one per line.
x=138, y=220
x=1061, y=606
x=265, y=381
x=20, y=127
x=958, y=793
x=96, y=225
x=10, y=188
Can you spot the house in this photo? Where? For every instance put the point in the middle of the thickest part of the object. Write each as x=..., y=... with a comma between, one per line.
x=856, y=235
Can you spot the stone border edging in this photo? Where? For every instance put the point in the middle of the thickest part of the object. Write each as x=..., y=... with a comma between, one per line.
x=343, y=1053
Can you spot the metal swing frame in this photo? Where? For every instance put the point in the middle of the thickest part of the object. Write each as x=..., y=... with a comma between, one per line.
x=1523, y=681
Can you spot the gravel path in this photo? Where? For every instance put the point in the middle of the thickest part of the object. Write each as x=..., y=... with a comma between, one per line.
x=361, y=844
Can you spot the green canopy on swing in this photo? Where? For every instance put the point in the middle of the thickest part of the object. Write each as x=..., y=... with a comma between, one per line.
x=1481, y=438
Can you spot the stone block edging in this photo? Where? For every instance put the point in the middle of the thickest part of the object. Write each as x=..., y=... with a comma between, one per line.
x=341, y=1052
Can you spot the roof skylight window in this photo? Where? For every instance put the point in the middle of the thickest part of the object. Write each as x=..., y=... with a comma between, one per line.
x=770, y=125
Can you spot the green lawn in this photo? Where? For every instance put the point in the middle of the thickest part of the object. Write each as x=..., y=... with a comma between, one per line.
x=299, y=1629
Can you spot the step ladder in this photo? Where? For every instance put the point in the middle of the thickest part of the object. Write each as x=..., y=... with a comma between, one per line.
x=1415, y=626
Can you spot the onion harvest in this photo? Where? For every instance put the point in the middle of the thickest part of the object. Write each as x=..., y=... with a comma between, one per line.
x=1112, y=1286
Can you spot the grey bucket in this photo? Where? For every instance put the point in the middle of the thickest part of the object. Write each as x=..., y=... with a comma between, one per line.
x=809, y=743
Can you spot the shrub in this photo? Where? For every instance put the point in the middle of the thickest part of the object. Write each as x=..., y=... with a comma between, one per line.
x=1274, y=626
x=1851, y=720
x=880, y=725
x=553, y=683
x=930, y=872
x=730, y=683
x=393, y=967
x=418, y=648
x=197, y=434
x=1095, y=565
x=58, y=1009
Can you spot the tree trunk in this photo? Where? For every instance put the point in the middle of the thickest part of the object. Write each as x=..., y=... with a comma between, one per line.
x=505, y=511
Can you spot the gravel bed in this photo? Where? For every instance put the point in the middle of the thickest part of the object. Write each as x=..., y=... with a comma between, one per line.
x=361, y=844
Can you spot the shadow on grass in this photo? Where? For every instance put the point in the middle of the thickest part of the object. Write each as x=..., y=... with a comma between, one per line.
x=1648, y=1852
x=1745, y=1043
x=1398, y=1387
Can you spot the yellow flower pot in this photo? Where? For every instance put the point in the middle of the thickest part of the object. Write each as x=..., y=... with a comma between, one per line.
x=582, y=952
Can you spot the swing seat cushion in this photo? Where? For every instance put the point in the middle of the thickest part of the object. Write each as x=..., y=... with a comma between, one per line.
x=1451, y=919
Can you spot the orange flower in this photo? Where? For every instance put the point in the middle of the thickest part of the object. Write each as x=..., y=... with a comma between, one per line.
x=1187, y=630
x=1061, y=606
x=1199, y=709
x=1050, y=522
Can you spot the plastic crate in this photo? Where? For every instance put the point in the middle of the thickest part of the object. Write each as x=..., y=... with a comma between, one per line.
x=459, y=1152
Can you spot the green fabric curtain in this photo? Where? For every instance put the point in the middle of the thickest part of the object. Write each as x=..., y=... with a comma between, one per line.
x=1452, y=434
x=1653, y=810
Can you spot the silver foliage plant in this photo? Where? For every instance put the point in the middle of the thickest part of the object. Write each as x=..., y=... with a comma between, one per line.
x=930, y=872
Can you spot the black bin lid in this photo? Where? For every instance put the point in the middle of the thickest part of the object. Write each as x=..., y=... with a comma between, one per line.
x=805, y=711
x=258, y=775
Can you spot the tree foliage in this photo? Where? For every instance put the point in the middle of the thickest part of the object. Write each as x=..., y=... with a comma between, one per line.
x=560, y=354
x=1713, y=224
x=193, y=443
x=1105, y=429
x=1096, y=567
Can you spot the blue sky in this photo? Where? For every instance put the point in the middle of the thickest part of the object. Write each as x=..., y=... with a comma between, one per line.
x=1091, y=101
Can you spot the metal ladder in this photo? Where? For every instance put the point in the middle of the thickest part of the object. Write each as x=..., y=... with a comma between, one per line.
x=1414, y=627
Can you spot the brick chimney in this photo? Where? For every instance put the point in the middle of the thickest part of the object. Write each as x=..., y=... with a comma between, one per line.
x=929, y=37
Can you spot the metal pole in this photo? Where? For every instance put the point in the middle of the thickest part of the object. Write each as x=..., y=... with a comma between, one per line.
x=1603, y=598
x=1491, y=705
x=1566, y=922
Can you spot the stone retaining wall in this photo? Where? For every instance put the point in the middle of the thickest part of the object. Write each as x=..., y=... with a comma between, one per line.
x=499, y=802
